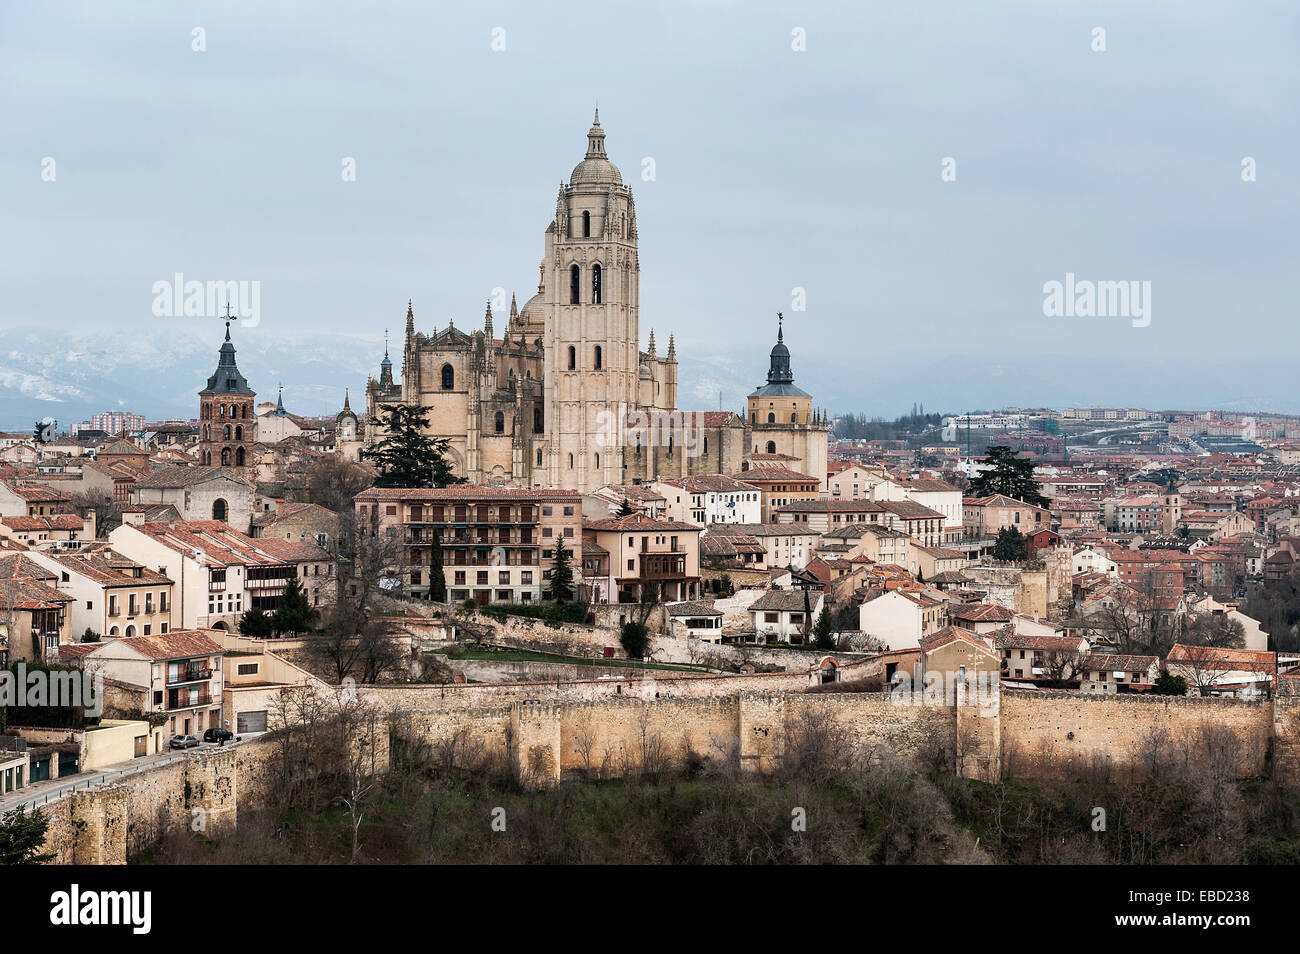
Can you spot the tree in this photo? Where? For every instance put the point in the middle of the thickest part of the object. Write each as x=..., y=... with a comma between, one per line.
x=90, y=636
x=1221, y=632
x=1170, y=685
x=22, y=836
x=560, y=586
x=635, y=638
x=256, y=623
x=825, y=636
x=725, y=587
x=295, y=613
x=437, y=580
x=330, y=482
x=1009, y=475
x=406, y=456
x=625, y=509
x=1010, y=545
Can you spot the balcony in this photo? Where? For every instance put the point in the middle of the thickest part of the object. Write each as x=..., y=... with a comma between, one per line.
x=252, y=584
x=186, y=700
x=189, y=674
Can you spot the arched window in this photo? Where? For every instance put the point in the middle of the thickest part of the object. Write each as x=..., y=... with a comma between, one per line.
x=771, y=447
x=595, y=284
x=539, y=458
x=225, y=457
x=225, y=433
x=499, y=423
x=219, y=510
x=448, y=377
x=239, y=432
x=130, y=631
x=112, y=631
x=243, y=412
x=586, y=225
x=575, y=284
x=598, y=462
x=573, y=358
x=771, y=418
x=234, y=411
x=794, y=418
x=570, y=462
x=239, y=457
x=599, y=356
x=537, y=421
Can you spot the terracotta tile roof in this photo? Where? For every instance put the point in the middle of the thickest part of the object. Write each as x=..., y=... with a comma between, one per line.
x=218, y=543
x=769, y=474
x=709, y=483
x=982, y=613
x=693, y=608
x=952, y=634
x=108, y=568
x=59, y=521
x=28, y=594
x=1119, y=662
x=37, y=494
x=638, y=522
x=1014, y=640
x=23, y=567
x=1209, y=657
x=784, y=601
x=181, y=476
x=293, y=551
x=177, y=644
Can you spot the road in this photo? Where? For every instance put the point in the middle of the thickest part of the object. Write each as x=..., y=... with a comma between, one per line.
x=52, y=790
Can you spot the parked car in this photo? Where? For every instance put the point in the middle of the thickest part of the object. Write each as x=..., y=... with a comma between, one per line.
x=218, y=735
x=184, y=741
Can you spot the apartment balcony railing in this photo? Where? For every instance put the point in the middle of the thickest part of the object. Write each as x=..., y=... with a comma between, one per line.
x=251, y=584
x=185, y=700
x=194, y=674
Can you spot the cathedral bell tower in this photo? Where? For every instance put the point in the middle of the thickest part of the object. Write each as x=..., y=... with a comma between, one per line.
x=227, y=416
x=591, y=346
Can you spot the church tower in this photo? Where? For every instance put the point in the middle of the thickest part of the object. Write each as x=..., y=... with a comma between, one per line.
x=590, y=287
x=227, y=416
x=782, y=419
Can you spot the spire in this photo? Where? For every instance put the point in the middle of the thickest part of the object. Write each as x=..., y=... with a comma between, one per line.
x=672, y=348
x=652, y=343
x=346, y=406
x=487, y=322
x=596, y=139
x=279, y=402
x=778, y=371
x=227, y=378
x=410, y=323
x=514, y=309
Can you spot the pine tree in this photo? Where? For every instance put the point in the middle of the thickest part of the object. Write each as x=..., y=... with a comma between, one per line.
x=560, y=586
x=1009, y=475
x=823, y=631
x=437, y=580
x=295, y=613
x=22, y=836
x=625, y=509
x=256, y=624
x=1010, y=545
x=406, y=456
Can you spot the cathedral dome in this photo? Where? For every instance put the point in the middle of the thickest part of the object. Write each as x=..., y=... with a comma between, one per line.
x=595, y=168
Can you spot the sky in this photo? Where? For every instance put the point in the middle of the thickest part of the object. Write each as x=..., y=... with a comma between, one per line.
x=775, y=170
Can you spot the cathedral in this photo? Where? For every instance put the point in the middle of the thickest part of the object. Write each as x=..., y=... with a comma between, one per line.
x=566, y=398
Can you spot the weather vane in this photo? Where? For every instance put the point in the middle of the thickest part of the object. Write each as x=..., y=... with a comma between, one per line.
x=229, y=317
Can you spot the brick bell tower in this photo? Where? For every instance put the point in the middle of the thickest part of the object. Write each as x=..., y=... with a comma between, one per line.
x=227, y=415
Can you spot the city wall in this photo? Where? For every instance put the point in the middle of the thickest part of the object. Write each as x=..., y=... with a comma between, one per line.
x=747, y=721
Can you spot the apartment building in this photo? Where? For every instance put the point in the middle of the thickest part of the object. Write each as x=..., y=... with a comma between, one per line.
x=780, y=487
x=177, y=675
x=644, y=553
x=498, y=543
x=706, y=499
x=113, y=595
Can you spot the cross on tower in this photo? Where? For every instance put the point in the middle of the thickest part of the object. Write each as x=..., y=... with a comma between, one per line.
x=229, y=317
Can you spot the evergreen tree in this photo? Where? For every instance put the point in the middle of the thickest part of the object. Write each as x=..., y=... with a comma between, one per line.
x=1009, y=475
x=406, y=456
x=635, y=638
x=22, y=836
x=625, y=509
x=295, y=613
x=560, y=586
x=1010, y=545
x=437, y=581
x=256, y=623
x=825, y=636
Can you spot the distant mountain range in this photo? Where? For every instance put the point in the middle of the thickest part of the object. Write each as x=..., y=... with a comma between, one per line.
x=72, y=373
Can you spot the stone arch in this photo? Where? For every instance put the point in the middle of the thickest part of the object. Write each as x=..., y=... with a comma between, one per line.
x=220, y=510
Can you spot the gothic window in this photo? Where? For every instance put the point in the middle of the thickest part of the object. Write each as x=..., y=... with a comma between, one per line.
x=575, y=284
x=771, y=418
x=239, y=457
x=448, y=377
x=234, y=411
x=225, y=433
x=595, y=284
x=222, y=410
x=539, y=458
x=771, y=447
x=573, y=358
x=225, y=457
x=599, y=354
x=500, y=423
x=219, y=510
x=239, y=432
x=586, y=225
x=537, y=421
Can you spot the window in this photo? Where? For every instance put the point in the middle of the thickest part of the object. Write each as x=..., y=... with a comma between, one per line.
x=219, y=510
x=586, y=224
x=448, y=377
x=595, y=284
x=771, y=418
x=575, y=284
x=573, y=358
x=499, y=422
x=599, y=354
x=771, y=447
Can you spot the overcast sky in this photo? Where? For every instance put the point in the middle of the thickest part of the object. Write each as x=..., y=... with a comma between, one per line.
x=775, y=169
